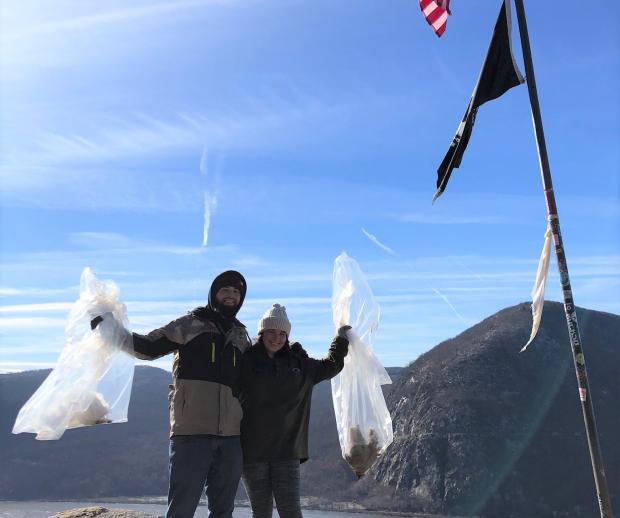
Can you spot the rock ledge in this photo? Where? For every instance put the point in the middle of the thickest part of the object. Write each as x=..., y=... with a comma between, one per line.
x=102, y=512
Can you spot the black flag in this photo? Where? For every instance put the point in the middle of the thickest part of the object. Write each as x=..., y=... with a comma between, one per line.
x=499, y=74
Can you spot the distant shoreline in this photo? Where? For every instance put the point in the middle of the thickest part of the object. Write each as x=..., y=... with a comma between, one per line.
x=308, y=503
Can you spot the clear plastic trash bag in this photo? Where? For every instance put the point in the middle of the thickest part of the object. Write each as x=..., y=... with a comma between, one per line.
x=363, y=420
x=91, y=383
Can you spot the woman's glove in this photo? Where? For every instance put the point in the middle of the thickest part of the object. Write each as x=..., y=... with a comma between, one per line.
x=342, y=331
x=341, y=340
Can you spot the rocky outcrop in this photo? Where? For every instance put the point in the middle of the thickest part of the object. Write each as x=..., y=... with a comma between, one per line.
x=481, y=429
x=101, y=512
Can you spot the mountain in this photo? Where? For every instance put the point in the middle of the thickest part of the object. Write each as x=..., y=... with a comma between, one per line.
x=131, y=459
x=117, y=459
x=480, y=429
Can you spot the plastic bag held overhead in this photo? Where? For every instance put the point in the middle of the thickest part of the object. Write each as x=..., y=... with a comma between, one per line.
x=91, y=383
x=363, y=420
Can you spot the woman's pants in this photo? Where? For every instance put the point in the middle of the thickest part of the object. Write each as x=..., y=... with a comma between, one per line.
x=265, y=481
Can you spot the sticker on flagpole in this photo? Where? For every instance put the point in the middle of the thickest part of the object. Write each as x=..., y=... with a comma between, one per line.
x=582, y=394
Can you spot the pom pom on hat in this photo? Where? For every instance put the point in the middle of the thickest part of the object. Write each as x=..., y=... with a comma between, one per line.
x=275, y=318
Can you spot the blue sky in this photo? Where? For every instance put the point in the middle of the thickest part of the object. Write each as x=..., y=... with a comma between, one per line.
x=305, y=128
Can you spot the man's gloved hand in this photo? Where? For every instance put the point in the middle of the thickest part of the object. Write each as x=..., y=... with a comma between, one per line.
x=342, y=331
x=95, y=322
x=113, y=332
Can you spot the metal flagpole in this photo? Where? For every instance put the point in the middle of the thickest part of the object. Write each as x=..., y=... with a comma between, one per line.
x=569, y=306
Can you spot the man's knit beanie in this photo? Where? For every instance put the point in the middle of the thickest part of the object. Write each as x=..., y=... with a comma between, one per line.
x=229, y=278
x=224, y=279
x=275, y=318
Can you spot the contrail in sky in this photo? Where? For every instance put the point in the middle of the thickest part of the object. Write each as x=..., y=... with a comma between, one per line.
x=377, y=242
x=209, y=207
x=210, y=200
x=449, y=304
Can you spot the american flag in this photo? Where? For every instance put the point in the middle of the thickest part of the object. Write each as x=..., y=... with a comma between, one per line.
x=436, y=13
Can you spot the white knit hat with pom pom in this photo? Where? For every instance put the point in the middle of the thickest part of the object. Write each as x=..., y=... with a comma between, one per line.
x=275, y=318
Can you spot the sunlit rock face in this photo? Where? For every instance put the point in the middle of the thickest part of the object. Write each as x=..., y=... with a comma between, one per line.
x=481, y=429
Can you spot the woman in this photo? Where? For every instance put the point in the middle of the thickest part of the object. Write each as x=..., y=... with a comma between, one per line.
x=277, y=381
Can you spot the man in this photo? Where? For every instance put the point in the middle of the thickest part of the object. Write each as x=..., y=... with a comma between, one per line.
x=205, y=414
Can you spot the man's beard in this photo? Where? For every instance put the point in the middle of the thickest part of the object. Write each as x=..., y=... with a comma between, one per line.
x=228, y=311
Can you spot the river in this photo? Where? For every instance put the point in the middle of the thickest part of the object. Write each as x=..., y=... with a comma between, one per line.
x=38, y=509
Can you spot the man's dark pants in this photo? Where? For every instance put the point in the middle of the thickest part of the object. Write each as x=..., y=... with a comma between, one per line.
x=203, y=461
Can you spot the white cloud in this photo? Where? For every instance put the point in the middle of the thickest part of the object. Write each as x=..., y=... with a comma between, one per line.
x=37, y=308
x=419, y=300
x=31, y=323
x=102, y=249
x=17, y=30
x=37, y=349
x=7, y=367
x=81, y=158
x=473, y=208
x=6, y=291
x=290, y=301
x=441, y=219
x=142, y=136
x=251, y=261
x=104, y=240
x=244, y=126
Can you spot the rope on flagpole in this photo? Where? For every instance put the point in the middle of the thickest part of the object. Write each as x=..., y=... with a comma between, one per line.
x=585, y=396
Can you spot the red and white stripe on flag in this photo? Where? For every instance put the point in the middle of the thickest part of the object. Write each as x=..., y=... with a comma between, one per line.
x=436, y=14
